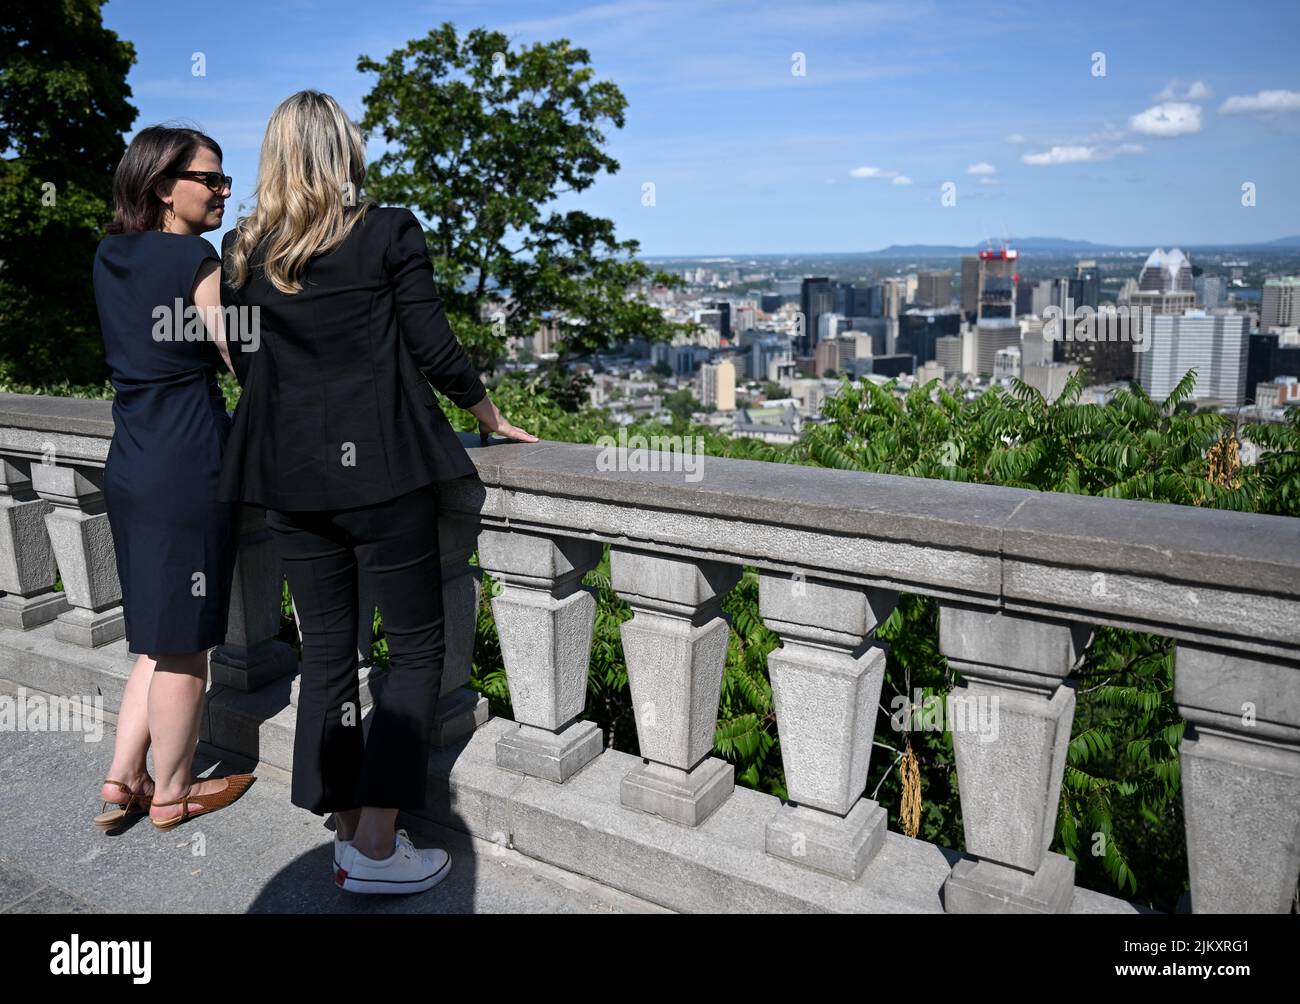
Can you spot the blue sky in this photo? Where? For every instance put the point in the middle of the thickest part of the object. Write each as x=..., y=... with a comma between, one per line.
x=1000, y=99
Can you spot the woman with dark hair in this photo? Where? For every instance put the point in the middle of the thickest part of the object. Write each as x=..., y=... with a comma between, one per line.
x=157, y=289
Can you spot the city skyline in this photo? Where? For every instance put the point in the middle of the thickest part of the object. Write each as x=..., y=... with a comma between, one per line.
x=775, y=128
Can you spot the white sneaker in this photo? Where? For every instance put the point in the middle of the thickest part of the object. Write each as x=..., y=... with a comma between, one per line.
x=339, y=847
x=408, y=869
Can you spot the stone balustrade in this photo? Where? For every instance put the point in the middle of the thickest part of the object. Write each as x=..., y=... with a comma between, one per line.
x=1021, y=578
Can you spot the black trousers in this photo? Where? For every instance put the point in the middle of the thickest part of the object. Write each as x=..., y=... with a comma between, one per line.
x=395, y=545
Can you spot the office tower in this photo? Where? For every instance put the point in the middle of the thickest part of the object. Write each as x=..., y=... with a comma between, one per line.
x=947, y=354
x=858, y=301
x=1215, y=345
x=724, y=318
x=918, y=330
x=1279, y=303
x=1261, y=362
x=1166, y=273
x=909, y=287
x=763, y=352
x=770, y=303
x=1035, y=350
x=992, y=334
x=710, y=320
x=830, y=355
x=1085, y=287
x=893, y=294
x=718, y=385
x=997, y=284
x=817, y=297
x=829, y=326
x=970, y=285
x=933, y=289
x=1210, y=291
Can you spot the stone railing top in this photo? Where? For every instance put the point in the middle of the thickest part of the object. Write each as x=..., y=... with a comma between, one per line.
x=1215, y=577
x=1210, y=575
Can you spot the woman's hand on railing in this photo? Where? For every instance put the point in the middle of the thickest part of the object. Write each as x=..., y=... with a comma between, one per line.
x=492, y=422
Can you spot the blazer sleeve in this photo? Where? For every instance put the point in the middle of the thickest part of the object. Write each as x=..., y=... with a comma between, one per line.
x=422, y=323
x=240, y=357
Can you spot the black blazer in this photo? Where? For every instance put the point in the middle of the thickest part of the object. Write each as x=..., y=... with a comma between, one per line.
x=334, y=412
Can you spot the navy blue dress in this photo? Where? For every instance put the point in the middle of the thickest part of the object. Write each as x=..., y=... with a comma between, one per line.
x=175, y=541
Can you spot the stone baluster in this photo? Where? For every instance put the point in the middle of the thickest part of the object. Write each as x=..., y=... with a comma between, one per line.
x=544, y=618
x=253, y=654
x=826, y=681
x=26, y=556
x=675, y=647
x=1011, y=723
x=83, y=548
x=461, y=709
x=1240, y=760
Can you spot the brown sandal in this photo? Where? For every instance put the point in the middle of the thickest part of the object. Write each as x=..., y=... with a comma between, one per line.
x=135, y=805
x=236, y=785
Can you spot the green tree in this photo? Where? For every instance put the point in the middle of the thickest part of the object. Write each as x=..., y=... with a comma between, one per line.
x=63, y=109
x=480, y=140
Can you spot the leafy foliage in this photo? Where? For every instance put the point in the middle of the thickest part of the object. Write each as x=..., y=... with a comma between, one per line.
x=63, y=109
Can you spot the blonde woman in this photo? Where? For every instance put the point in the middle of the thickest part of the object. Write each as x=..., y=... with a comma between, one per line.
x=339, y=436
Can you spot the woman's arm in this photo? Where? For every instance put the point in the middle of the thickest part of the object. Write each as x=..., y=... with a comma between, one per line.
x=207, y=298
x=424, y=330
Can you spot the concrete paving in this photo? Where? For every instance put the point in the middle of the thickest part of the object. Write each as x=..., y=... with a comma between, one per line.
x=261, y=855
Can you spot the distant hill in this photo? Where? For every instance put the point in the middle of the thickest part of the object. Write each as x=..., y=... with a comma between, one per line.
x=1062, y=245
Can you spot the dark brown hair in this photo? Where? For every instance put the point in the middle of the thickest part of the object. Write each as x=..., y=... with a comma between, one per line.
x=153, y=152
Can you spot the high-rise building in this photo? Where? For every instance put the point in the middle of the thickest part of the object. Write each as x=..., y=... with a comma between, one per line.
x=947, y=354
x=1035, y=297
x=997, y=284
x=970, y=285
x=893, y=294
x=1215, y=345
x=764, y=351
x=723, y=308
x=992, y=334
x=1165, y=273
x=918, y=330
x=718, y=385
x=817, y=297
x=1279, y=303
x=933, y=289
x=1085, y=287
x=1006, y=363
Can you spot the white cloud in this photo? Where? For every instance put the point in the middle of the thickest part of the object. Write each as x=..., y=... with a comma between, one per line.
x=1263, y=103
x=902, y=179
x=1177, y=90
x=872, y=172
x=983, y=167
x=1173, y=118
x=1060, y=155
x=1079, y=154
x=1015, y=137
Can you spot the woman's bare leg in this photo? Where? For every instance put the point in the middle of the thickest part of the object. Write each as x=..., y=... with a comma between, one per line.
x=131, y=747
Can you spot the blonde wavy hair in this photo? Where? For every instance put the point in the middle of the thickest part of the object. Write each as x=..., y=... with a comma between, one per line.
x=312, y=158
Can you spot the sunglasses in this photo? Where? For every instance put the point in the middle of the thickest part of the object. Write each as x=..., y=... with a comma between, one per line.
x=214, y=180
